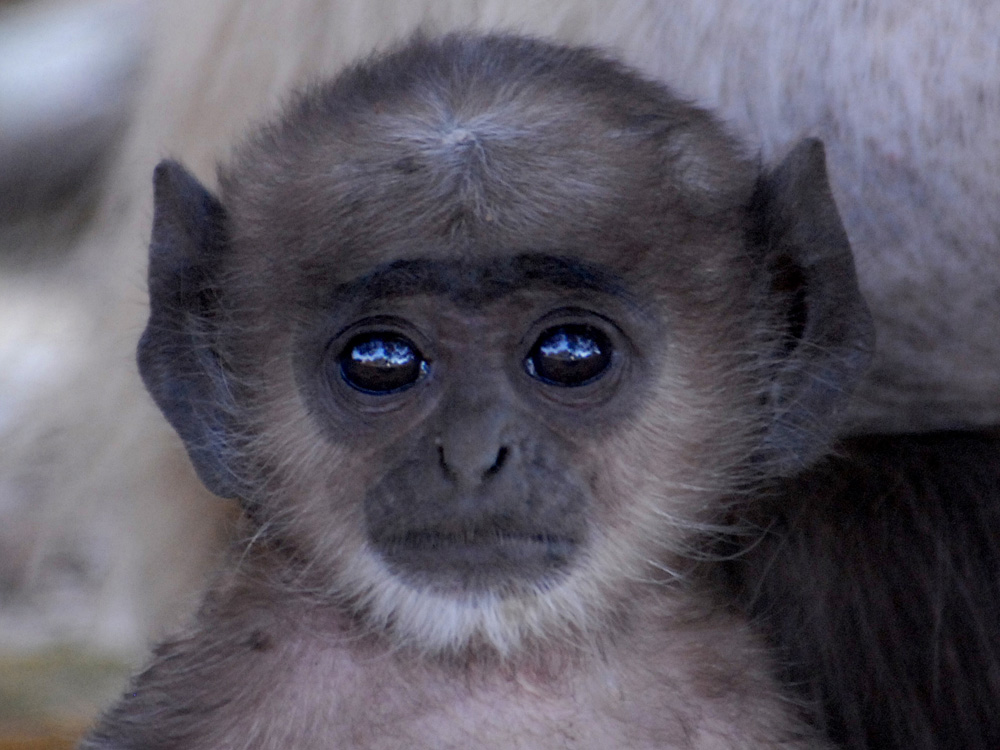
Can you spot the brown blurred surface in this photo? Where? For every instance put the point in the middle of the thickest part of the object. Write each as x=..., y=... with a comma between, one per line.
x=47, y=699
x=55, y=741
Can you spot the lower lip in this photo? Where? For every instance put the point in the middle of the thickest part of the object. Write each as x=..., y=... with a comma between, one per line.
x=481, y=563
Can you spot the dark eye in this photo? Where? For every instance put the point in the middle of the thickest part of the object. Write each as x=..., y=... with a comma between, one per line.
x=381, y=363
x=569, y=355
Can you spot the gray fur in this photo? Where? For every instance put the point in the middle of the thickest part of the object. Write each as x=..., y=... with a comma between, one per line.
x=484, y=556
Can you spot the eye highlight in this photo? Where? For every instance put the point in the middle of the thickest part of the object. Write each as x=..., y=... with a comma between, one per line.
x=381, y=363
x=569, y=356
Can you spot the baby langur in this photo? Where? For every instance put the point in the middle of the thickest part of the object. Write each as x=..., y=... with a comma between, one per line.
x=485, y=335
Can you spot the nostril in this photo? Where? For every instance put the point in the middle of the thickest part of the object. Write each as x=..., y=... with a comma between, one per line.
x=444, y=463
x=498, y=464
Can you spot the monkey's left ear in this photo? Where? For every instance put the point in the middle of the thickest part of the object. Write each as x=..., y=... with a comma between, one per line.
x=830, y=335
x=178, y=353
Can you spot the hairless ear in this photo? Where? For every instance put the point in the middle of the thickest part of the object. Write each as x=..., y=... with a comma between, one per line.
x=177, y=356
x=830, y=329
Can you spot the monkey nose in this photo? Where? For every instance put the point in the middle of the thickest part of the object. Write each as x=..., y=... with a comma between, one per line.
x=470, y=463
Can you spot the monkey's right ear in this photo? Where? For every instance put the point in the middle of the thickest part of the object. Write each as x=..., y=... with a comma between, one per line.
x=178, y=357
x=830, y=335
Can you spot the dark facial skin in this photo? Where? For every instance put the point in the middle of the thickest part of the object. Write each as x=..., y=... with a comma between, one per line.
x=496, y=371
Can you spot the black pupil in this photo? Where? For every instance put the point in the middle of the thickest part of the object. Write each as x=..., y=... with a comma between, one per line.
x=569, y=356
x=381, y=363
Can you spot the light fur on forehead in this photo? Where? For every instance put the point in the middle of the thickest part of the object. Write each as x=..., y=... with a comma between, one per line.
x=485, y=134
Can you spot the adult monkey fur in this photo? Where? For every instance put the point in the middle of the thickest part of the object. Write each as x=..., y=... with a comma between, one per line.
x=484, y=335
x=922, y=670
x=902, y=93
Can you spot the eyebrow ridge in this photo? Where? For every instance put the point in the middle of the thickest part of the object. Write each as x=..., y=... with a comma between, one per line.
x=473, y=283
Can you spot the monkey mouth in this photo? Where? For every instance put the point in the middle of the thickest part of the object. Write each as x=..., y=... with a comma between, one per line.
x=473, y=559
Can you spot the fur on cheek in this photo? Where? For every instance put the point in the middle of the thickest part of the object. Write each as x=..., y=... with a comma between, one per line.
x=311, y=502
x=628, y=548
x=629, y=545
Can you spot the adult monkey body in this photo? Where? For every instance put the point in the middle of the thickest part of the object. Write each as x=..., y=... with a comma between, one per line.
x=485, y=335
x=889, y=545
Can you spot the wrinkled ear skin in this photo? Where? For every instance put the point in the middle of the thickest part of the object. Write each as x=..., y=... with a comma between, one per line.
x=831, y=335
x=177, y=356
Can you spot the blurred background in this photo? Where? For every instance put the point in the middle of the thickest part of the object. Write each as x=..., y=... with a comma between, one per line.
x=69, y=72
x=107, y=538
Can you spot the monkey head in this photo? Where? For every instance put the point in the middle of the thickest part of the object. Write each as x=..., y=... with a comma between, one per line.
x=485, y=331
